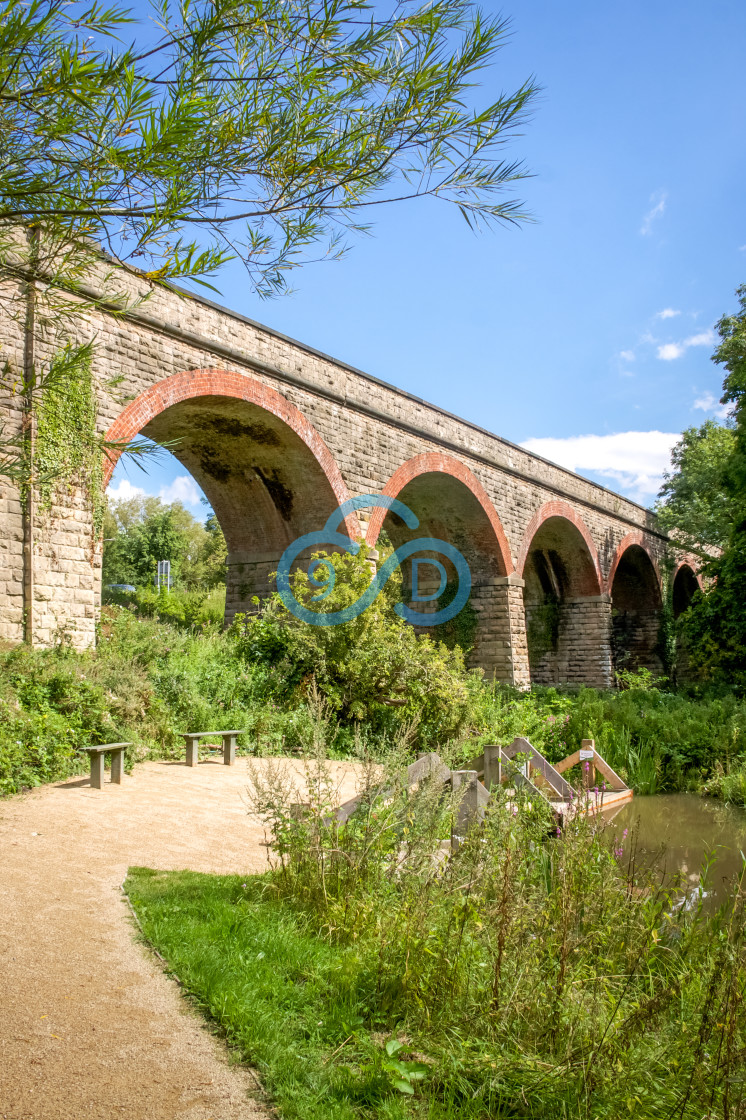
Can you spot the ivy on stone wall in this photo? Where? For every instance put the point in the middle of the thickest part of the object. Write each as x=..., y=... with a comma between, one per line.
x=67, y=447
x=461, y=630
x=542, y=628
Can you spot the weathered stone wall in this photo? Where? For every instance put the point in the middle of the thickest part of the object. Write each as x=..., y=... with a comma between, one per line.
x=327, y=432
x=585, y=652
x=11, y=513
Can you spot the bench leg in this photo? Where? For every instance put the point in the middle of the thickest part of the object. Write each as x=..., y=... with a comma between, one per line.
x=192, y=752
x=97, y=770
x=117, y=766
x=229, y=749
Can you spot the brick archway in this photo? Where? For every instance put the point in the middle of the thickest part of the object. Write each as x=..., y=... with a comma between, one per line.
x=437, y=463
x=195, y=383
x=267, y=473
x=567, y=616
x=452, y=505
x=692, y=562
x=638, y=539
x=567, y=513
x=636, y=590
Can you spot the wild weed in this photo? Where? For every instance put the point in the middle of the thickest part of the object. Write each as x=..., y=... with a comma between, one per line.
x=536, y=967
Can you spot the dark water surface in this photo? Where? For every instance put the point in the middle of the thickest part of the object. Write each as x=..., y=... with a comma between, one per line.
x=676, y=831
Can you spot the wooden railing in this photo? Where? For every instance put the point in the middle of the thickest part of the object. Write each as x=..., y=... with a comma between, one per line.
x=519, y=765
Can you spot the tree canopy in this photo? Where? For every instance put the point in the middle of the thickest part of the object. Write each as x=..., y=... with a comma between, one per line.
x=715, y=626
x=140, y=531
x=261, y=130
x=694, y=500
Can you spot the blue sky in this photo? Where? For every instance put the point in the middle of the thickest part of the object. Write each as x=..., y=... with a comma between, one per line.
x=587, y=335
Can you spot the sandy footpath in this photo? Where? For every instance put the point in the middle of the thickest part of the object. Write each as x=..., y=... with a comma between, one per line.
x=90, y=1027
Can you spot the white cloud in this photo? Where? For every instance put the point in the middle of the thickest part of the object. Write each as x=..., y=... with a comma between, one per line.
x=671, y=350
x=628, y=355
x=632, y=462
x=658, y=198
x=123, y=490
x=704, y=338
x=667, y=313
x=708, y=402
x=183, y=489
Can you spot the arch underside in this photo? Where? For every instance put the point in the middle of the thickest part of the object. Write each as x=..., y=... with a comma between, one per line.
x=449, y=510
x=636, y=604
x=566, y=616
x=261, y=479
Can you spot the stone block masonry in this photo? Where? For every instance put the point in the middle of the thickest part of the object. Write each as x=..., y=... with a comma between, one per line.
x=278, y=435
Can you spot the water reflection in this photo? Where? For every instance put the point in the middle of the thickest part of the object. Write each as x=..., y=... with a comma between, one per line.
x=675, y=832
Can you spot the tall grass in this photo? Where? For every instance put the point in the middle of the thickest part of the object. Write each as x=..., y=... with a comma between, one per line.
x=533, y=972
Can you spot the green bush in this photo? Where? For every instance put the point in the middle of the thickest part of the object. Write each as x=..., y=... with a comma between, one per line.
x=179, y=607
x=375, y=669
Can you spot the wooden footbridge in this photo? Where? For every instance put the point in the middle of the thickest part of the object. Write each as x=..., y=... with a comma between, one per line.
x=519, y=766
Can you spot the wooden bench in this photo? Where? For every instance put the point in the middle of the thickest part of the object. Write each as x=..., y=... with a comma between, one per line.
x=192, y=738
x=97, y=754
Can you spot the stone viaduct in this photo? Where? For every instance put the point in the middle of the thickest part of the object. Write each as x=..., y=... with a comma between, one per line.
x=567, y=576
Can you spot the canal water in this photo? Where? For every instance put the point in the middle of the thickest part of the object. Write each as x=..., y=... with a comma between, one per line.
x=678, y=831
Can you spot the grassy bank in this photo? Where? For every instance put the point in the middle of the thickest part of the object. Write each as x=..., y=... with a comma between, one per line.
x=277, y=990
x=531, y=975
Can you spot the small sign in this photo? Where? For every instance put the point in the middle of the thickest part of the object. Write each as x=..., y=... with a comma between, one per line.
x=586, y=754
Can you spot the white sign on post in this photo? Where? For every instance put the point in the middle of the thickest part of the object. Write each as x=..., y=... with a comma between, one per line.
x=586, y=754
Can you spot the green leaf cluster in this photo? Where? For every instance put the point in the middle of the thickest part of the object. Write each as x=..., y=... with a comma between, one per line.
x=694, y=500
x=366, y=668
x=253, y=129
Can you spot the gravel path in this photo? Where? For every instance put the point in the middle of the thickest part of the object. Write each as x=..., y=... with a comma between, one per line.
x=90, y=1027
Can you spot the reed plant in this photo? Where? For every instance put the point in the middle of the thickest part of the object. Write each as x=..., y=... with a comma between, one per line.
x=535, y=970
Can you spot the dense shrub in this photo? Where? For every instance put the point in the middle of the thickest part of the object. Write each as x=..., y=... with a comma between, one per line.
x=181, y=608
x=374, y=669
x=149, y=679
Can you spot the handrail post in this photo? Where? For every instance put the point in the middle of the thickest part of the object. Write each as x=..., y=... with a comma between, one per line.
x=467, y=812
x=492, y=766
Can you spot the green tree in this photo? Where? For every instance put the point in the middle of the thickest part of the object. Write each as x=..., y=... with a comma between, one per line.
x=139, y=532
x=695, y=501
x=214, y=554
x=716, y=624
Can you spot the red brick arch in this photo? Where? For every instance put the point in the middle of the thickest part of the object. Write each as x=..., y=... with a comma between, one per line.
x=437, y=463
x=694, y=563
x=567, y=513
x=637, y=538
x=226, y=383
